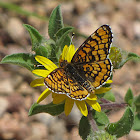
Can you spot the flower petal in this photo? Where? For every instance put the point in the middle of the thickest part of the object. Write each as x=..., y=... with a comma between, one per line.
x=48, y=64
x=102, y=90
x=65, y=50
x=92, y=97
x=40, y=72
x=68, y=105
x=37, y=82
x=95, y=105
x=43, y=95
x=58, y=98
x=70, y=53
x=109, y=81
x=82, y=107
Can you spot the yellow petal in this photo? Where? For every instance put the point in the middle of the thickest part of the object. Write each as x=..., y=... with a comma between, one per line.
x=102, y=90
x=37, y=82
x=71, y=52
x=58, y=98
x=94, y=104
x=48, y=64
x=65, y=50
x=109, y=81
x=92, y=97
x=43, y=95
x=68, y=105
x=82, y=107
x=40, y=72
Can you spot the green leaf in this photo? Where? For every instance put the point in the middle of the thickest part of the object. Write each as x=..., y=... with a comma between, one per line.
x=130, y=56
x=43, y=51
x=53, y=55
x=46, y=49
x=129, y=97
x=21, y=59
x=36, y=38
x=137, y=103
x=101, y=118
x=136, y=125
x=84, y=128
x=61, y=31
x=52, y=109
x=109, y=96
x=64, y=39
x=123, y=126
x=55, y=22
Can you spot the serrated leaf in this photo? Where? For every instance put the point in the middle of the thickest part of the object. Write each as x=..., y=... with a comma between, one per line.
x=84, y=128
x=36, y=38
x=129, y=97
x=109, y=96
x=55, y=22
x=136, y=125
x=52, y=109
x=21, y=59
x=137, y=103
x=123, y=126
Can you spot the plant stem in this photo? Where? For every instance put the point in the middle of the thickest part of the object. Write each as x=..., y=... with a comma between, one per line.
x=91, y=120
x=113, y=105
x=104, y=100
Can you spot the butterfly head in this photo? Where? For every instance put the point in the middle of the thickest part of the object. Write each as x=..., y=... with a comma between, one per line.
x=63, y=63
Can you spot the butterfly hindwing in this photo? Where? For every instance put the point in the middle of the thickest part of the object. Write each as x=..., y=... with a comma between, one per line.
x=97, y=73
x=59, y=82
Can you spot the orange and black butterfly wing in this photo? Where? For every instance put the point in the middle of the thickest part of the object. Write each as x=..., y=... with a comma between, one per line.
x=96, y=47
x=59, y=82
x=96, y=73
x=91, y=59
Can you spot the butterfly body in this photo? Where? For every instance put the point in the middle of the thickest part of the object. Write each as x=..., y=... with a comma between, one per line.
x=75, y=74
x=88, y=70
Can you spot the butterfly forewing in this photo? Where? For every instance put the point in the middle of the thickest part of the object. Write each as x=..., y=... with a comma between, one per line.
x=96, y=47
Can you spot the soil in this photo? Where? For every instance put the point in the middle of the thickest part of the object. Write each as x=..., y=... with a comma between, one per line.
x=16, y=95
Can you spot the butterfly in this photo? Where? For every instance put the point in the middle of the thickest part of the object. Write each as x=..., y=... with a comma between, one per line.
x=88, y=70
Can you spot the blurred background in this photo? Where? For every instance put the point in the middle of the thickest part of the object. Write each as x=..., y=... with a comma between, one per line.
x=16, y=95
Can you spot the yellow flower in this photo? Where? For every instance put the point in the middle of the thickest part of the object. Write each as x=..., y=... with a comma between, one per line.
x=67, y=55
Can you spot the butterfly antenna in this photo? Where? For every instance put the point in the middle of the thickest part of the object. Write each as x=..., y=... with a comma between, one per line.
x=72, y=37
